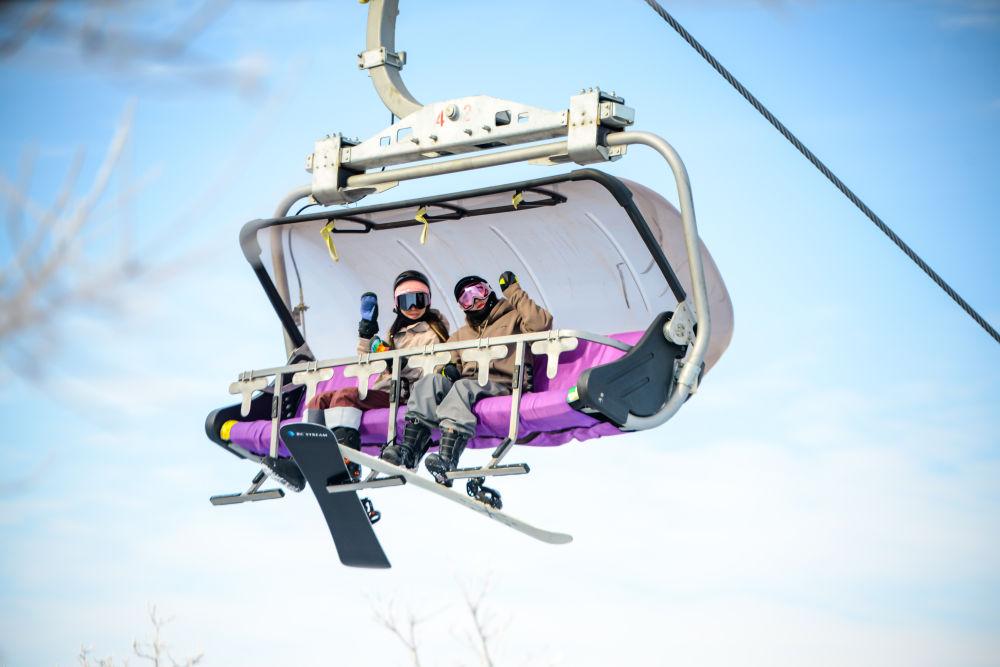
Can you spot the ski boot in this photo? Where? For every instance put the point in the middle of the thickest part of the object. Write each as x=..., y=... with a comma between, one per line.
x=446, y=459
x=350, y=437
x=416, y=441
x=285, y=472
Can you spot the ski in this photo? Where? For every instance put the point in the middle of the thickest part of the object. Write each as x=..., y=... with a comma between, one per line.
x=429, y=485
x=315, y=450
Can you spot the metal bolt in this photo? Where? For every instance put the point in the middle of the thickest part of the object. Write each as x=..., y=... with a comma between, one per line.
x=487, y=128
x=468, y=131
x=433, y=137
x=451, y=111
x=415, y=140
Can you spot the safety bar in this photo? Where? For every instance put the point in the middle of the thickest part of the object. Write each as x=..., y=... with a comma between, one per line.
x=311, y=372
x=434, y=348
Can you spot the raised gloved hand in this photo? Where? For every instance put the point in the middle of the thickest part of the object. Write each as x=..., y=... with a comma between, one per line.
x=368, y=326
x=452, y=372
x=507, y=278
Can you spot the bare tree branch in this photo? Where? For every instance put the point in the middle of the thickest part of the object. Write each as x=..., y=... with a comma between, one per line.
x=482, y=621
x=156, y=651
x=405, y=629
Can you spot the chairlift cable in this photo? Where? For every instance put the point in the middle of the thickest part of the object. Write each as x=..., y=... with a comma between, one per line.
x=778, y=125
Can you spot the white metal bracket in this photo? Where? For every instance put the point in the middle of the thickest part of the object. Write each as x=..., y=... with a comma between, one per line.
x=329, y=184
x=364, y=370
x=381, y=56
x=680, y=328
x=247, y=387
x=310, y=379
x=552, y=348
x=482, y=358
x=428, y=361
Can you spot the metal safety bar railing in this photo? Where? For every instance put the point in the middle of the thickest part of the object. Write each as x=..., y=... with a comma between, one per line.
x=428, y=357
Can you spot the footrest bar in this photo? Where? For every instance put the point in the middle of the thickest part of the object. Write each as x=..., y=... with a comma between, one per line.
x=497, y=471
x=237, y=498
x=377, y=483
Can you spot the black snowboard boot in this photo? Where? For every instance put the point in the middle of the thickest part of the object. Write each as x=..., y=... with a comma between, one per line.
x=451, y=447
x=416, y=441
x=349, y=437
x=285, y=472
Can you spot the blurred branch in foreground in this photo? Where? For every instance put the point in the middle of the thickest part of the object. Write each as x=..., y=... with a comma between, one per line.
x=61, y=258
x=103, y=34
x=154, y=651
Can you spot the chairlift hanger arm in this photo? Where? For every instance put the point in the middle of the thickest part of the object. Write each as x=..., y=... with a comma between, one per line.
x=383, y=62
x=345, y=170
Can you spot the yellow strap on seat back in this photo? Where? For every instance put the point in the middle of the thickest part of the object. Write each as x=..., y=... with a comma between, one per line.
x=421, y=216
x=327, y=234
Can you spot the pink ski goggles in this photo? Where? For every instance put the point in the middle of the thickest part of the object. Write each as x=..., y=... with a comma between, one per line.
x=472, y=293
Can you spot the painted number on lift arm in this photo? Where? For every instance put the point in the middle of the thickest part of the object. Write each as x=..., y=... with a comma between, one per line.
x=466, y=113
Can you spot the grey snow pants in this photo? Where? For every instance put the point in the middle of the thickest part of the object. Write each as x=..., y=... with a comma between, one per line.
x=436, y=401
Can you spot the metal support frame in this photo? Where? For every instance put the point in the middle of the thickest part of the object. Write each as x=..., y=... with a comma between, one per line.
x=275, y=416
x=372, y=482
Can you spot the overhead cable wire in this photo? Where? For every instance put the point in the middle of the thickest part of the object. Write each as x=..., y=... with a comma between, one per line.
x=778, y=125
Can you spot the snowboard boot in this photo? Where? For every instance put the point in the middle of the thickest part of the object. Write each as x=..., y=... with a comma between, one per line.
x=451, y=447
x=349, y=437
x=285, y=472
x=416, y=441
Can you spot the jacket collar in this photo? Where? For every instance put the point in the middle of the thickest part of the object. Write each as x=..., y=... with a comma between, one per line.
x=416, y=327
x=503, y=307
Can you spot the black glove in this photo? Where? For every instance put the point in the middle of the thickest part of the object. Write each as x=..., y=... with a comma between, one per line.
x=507, y=278
x=451, y=372
x=368, y=326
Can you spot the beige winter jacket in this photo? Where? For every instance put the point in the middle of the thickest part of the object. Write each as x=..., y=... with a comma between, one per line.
x=516, y=313
x=417, y=334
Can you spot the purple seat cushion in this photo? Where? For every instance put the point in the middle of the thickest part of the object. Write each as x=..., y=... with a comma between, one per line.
x=546, y=419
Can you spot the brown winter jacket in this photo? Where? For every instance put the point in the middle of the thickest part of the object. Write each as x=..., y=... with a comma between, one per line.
x=417, y=334
x=514, y=314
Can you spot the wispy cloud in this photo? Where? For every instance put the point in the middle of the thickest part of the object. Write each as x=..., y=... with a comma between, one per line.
x=971, y=15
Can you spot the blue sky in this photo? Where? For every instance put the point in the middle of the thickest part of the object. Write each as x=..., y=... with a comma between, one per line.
x=831, y=496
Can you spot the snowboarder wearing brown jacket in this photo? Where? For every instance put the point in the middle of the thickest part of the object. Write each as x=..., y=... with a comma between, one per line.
x=445, y=400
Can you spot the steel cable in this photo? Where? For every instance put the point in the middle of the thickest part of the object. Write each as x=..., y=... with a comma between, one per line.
x=778, y=125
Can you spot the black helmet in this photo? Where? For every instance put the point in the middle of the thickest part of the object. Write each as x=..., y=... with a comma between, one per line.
x=411, y=275
x=468, y=280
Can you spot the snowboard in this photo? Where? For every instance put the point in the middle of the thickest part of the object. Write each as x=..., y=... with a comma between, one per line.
x=315, y=450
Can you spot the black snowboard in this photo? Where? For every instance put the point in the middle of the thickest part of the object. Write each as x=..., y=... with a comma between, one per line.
x=314, y=448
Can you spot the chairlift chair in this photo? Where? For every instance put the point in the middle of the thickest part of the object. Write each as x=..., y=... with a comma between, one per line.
x=641, y=309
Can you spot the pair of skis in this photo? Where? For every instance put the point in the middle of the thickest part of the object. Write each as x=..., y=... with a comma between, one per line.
x=320, y=457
